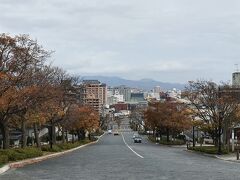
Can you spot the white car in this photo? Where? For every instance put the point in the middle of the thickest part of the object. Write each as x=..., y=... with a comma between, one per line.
x=109, y=131
x=134, y=135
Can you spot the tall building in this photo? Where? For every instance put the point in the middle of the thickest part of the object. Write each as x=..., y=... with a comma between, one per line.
x=236, y=79
x=123, y=90
x=157, y=89
x=94, y=94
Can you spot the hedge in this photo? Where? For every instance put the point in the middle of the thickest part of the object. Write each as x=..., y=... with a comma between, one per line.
x=31, y=152
x=165, y=142
x=62, y=147
x=3, y=159
x=20, y=154
x=207, y=149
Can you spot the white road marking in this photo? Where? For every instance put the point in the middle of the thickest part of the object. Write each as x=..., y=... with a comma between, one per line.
x=131, y=148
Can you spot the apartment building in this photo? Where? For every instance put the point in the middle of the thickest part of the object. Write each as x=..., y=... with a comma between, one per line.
x=94, y=94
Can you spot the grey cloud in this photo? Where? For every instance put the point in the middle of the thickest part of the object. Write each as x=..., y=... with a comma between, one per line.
x=165, y=40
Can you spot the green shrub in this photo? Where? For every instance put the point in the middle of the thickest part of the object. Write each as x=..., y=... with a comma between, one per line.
x=3, y=159
x=20, y=154
x=165, y=142
x=67, y=146
x=47, y=148
x=176, y=142
x=207, y=149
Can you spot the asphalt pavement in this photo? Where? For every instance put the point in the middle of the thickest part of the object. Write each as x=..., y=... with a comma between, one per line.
x=118, y=157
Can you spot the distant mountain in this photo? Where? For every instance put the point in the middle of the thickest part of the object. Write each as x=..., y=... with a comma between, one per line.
x=146, y=84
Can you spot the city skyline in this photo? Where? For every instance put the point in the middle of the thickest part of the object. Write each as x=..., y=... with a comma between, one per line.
x=162, y=40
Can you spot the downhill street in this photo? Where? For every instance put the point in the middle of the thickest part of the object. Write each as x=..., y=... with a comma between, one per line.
x=117, y=157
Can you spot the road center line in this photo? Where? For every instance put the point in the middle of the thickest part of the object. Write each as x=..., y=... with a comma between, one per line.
x=131, y=148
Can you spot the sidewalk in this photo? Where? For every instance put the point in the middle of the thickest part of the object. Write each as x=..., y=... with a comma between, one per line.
x=25, y=162
x=225, y=157
x=228, y=157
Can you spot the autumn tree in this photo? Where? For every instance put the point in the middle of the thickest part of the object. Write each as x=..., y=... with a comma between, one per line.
x=82, y=119
x=136, y=117
x=19, y=56
x=214, y=105
x=168, y=118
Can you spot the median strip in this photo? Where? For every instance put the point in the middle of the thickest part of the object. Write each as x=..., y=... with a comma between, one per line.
x=131, y=148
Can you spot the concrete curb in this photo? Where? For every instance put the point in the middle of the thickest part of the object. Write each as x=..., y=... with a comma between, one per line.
x=4, y=168
x=228, y=159
x=42, y=158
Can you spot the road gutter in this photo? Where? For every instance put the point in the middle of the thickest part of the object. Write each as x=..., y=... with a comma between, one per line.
x=41, y=158
x=131, y=148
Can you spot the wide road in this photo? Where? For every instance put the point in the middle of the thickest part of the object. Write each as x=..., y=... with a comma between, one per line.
x=112, y=158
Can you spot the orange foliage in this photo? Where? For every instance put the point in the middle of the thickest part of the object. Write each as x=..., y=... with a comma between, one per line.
x=167, y=115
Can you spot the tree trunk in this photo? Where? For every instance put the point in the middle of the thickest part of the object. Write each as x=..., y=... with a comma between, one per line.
x=50, y=136
x=36, y=134
x=72, y=137
x=79, y=135
x=66, y=135
x=89, y=136
x=216, y=137
x=5, y=134
x=228, y=140
x=225, y=133
x=167, y=135
x=219, y=138
x=53, y=134
x=24, y=136
x=63, y=135
x=82, y=132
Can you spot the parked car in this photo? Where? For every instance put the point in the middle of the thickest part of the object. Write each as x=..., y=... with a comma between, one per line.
x=109, y=131
x=137, y=139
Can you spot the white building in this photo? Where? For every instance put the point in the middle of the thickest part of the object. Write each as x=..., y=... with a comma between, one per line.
x=176, y=94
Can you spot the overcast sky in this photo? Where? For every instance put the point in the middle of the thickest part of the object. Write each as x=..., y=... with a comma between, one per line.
x=166, y=40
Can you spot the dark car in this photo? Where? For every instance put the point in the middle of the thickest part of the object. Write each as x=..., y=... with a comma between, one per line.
x=116, y=133
x=137, y=139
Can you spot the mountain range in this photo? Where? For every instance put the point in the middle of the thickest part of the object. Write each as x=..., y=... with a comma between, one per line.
x=145, y=84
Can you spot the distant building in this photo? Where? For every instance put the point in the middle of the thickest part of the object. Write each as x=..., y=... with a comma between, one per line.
x=157, y=89
x=174, y=94
x=236, y=79
x=137, y=97
x=120, y=107
x=111, y=100
x=153, y=95
x=94, y=94
x=123, y=90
